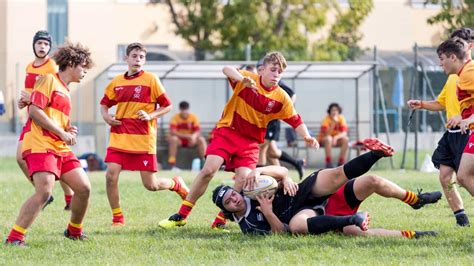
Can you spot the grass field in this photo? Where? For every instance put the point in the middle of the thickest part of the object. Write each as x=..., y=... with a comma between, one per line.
x=143, y=242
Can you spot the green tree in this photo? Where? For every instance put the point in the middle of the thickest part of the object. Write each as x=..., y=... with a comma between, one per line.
x=197, y=22
x=454, y=14
x=226, y=27
x=267, y=25
x=344, y=37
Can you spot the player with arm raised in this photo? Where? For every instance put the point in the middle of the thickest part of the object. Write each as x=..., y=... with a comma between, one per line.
x=256, y=100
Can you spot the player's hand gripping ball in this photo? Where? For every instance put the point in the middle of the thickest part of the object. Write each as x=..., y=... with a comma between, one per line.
x=263, y=184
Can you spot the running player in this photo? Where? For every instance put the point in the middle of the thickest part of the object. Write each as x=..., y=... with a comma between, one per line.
x=42, y=65
x=46, y=144
x=447, y=155
x=132, y=145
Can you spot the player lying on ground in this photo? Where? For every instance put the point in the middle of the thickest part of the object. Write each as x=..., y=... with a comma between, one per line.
x=294, y=206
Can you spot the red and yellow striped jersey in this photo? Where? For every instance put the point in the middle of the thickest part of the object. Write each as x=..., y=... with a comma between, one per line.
x=448, y=98
x=331, y=127
x=185, y=126
x=249, y=110
x=465, y=90
x=33, y=73
x=142, y=91
x=52, y=95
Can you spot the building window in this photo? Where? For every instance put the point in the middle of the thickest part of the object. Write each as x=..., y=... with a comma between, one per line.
x=155, y=52
x=58, y=20
x=430, y=4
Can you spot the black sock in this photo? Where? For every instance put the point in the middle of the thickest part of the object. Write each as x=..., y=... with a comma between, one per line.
x=459, y=212
x=360, y=164
x=287, y=158
x=324, y=223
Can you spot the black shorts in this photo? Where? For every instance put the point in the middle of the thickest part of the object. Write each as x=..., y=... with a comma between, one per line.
x=285, y=207
x=273, y=130
x=450, y=149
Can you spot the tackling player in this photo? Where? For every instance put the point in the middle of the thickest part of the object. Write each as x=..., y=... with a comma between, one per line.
x=294, y=208
x=256, y=100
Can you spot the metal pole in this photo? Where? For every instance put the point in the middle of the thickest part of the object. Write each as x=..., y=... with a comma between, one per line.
x=376, y=96
x=16, y=113
x=423, y=114
x=384, y=112
x=357, y=108
x=407, y=130
x=248, y=52
x=417, y=117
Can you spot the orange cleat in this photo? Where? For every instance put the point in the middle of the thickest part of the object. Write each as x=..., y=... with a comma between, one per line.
x=180, y=187
x=377, y=145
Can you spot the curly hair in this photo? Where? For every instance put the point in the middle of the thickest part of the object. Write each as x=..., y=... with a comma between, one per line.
x=72, y=55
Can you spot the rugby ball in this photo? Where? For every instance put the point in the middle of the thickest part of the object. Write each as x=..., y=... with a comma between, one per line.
x=263, y=184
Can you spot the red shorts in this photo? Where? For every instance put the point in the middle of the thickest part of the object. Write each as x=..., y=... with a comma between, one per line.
x=132, y=161
x=184, y=142
x=470, y=144
x=236, y=150
x=337, y=204
x=50, y=162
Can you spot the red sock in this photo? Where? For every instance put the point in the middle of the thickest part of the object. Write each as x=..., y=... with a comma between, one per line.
x=185, y=209
x=117, y=216
x=67, y=199
x=74, y=230
x=219, y=220
x=328, y=159
x=16, y=234
x=341, y=161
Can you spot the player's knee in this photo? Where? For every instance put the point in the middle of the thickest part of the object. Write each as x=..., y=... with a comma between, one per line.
x=344, y=140
x=373, y=181
x=150, y=187
x=208, y=172
x=298, y=226
x=44, y=194
x=273, y=153
x=83, y=191
x=21, y=162
x=201, y=141
x=462, y=179
x=445, y=180
x=111, y=178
